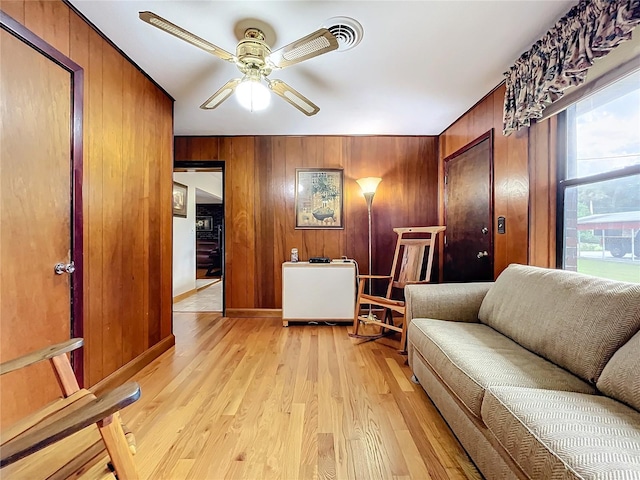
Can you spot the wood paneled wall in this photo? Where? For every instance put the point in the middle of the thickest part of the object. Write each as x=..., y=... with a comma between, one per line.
x=259, y=202
x=543, y=180
x=128, y=164
x=511, y=177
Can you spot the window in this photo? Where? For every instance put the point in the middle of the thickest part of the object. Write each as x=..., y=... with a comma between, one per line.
x=599, y=183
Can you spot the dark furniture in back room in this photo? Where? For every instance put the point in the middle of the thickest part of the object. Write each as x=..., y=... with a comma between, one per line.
x=208, y=256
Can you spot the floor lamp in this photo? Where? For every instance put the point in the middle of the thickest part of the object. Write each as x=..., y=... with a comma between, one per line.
x=369, y=186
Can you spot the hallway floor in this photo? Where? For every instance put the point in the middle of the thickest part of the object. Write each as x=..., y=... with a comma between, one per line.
x=208, y=299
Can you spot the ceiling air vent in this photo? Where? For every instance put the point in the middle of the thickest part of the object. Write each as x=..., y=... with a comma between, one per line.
x=347, y=31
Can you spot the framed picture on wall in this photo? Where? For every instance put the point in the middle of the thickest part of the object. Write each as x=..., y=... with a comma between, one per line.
x=180, y=197
x=319, y=198
x=204, y=224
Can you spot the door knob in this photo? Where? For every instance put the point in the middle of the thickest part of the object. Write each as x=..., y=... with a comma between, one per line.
x=485, y=230
x=482, y=254
x=61, y=268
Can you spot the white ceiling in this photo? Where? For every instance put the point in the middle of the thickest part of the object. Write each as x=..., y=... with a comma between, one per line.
x=206, y=197
x=421, y=64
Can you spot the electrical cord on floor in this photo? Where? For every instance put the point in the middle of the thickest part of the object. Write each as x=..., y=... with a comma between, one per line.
x=353, y=260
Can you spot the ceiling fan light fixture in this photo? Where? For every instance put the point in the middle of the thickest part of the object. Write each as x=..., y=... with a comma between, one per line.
x=255, y=60
x=252, y=94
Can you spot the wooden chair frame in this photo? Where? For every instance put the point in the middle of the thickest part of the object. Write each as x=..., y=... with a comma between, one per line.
x=78, y=409
x=411, y=263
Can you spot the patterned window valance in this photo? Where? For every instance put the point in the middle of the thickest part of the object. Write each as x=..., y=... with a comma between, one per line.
x=561, y=58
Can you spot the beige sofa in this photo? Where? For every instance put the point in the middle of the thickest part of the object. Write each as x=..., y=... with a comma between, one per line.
x=537, y=374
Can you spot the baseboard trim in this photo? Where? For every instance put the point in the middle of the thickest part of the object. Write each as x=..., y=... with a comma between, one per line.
x=253, y=312
x=208, y=285
x=128, y=370
x=184, y=295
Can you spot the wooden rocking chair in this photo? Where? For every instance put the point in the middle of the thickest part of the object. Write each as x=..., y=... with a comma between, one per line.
x=78, y=409
x=408, y=268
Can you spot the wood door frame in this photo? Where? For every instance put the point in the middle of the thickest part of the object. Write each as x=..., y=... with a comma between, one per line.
x=25, y=35
x=205, y=166
x=485, y=136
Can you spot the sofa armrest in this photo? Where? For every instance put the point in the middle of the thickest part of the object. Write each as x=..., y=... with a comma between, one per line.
x=448, y=301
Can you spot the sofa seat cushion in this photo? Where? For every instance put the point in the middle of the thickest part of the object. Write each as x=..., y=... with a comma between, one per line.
x=576, y=321
x=469, y=357
x=555, y=434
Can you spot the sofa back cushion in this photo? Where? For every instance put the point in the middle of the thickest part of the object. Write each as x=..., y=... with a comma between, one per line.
x=620, y=378
x=574, y=320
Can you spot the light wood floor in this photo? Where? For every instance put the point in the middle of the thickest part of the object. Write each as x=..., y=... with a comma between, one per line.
x=249, y=399
x=207, y=299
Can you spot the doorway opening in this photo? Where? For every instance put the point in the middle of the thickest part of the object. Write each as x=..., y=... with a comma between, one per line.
x=198, y=238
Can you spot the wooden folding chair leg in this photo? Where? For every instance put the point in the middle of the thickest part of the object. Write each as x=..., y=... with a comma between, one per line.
x=356, y=320
x=116, y=443
x=131, y=439
x=403, y=339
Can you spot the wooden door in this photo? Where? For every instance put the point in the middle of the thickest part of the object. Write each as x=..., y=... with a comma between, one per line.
x=37, y=144
x=468, y=251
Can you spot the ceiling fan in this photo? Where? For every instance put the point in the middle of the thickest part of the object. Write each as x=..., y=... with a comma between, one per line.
x=256, y=61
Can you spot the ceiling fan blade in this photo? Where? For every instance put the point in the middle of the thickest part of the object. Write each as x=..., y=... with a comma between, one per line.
x=221, y=95
x=314, y=44
x=294, y=97
x=166, y=26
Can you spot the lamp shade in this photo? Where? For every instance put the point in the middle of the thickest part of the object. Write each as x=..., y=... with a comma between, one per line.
x=369, y=184
x=252, y=94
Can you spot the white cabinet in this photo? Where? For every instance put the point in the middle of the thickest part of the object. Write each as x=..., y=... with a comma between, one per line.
x=318, y=291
